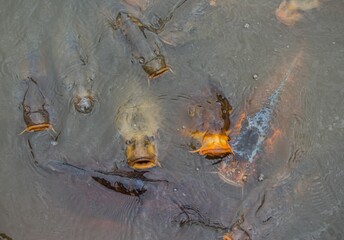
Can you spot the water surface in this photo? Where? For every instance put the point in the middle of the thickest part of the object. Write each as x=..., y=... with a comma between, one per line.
x=238, y=46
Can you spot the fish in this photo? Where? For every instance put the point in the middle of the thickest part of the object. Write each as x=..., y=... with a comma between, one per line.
x=132, y=183
x=137, y=119
x=76, y=64
x=185, y=20
x=3, y=236
x=34, y=104
x=290, y=12
x=79, y=73
x=145, y=45
x=209, y=114
x=254, y=133
x=36, y=117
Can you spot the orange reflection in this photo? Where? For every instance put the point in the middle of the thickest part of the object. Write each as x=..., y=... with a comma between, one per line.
x=288, y=12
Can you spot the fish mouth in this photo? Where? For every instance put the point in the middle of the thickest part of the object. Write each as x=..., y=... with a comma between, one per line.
x=84, y=104
x=156, y=67
x=38, y=127
x=215, y=146
x=142, y=163
x=158, y=72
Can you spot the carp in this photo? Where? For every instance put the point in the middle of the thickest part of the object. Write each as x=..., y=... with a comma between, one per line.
x=34, y=74
x=145, y=45
x=76, y=44
x=290, y=12
x=209, y=114
x=35, y=115
x=254, y=133
x=137, y=119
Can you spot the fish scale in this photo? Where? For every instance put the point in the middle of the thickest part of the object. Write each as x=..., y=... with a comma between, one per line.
x=255, y=129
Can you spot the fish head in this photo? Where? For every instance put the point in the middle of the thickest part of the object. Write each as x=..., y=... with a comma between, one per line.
x=141, y=152
x=37, y=120
x=84, y=104
x=214, y=145
x=235, y=172
x=155, y=67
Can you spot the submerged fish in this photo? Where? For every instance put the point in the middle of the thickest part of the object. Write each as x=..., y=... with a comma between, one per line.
x=290, y=12
x=76, y=45
x=209, y=115
x=138, y=119
x=255, y=132
x=80, y=73
x=34, y=72
x=155, y=197
x=121, y=181
x=145, y=45
x=174, y=21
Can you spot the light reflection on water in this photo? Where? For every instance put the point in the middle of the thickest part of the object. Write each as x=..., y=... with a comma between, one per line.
x=228, y=44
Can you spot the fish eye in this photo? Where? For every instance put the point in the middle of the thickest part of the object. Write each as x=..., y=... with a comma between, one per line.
x=129, y=142
x=142, y=60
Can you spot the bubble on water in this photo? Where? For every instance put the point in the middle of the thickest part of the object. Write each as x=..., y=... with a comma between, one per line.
x=255, y=76
x=261, y=177
x=246, y=25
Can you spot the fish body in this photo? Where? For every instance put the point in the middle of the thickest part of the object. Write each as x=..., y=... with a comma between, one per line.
x=78, y=70
x=121, y=181
x=138, y=119
x=254, y=132
x=256, y=128
x=290, y=12
x=154, y=196
x=35, y=115
x=145, y=45
x=174, y=21
x=34, y=73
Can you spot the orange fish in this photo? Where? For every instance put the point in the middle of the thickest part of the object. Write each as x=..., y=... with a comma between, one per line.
x=209, y=114
x=290, y=12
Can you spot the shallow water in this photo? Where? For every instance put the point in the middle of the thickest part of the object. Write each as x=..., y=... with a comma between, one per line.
x=227, y=44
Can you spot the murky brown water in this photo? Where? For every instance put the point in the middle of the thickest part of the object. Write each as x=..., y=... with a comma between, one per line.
x=237, y=45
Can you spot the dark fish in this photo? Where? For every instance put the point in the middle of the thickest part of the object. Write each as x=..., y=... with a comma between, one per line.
x=254, y=131
x=35, y=115
x=79, y=73
x=132, y=183
x=146, y=51
x=159, y=195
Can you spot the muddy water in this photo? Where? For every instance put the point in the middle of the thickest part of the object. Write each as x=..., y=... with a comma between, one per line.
x=237, y=45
